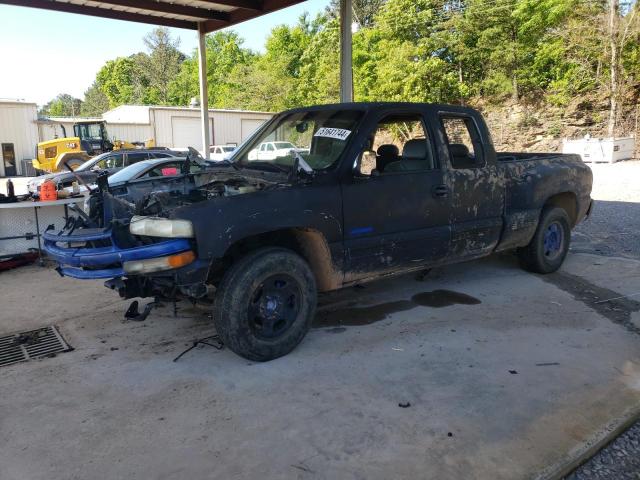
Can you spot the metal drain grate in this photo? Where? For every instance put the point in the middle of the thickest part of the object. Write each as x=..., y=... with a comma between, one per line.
x=25, y=346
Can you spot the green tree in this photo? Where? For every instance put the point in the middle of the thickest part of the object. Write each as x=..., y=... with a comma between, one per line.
x=319, y=81
x=364, y=11
x=64, y=105
x=224, y=52
x=117, y=79
x=161, y=65
x=402, y=57
x=95, y=102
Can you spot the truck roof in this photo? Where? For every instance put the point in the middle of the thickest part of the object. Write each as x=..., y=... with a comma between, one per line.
x=366, y=106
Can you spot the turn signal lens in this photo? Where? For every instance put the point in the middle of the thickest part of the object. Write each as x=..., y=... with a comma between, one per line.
x=159, y=264
x=181, y=259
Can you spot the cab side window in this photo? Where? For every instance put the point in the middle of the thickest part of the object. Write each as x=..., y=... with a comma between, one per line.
x=401, y=144
x=463, y=141
x=136, y=157
x=113, y=161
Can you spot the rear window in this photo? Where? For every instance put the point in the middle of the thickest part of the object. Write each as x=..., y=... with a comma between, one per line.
x=463, y=141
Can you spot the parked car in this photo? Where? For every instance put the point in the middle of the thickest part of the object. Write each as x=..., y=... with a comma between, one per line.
x=221, y=152
x=147, y=173
x=110, y=162
x=384, y=189
x=273, y=150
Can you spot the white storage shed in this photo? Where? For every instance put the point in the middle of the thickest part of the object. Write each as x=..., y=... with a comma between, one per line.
x=18, y=135
x=179, y=127
x=172, y=127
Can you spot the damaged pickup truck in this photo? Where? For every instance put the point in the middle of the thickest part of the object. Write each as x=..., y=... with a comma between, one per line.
x=369, y=190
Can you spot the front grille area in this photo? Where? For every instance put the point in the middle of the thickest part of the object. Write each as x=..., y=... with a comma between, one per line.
x=31, y=345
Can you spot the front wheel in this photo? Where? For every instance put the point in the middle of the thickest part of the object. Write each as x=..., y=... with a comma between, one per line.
x=549, y=246
x=265, y=304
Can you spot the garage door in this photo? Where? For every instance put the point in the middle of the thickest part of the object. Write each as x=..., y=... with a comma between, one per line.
x=187, y=133
x=250, y=126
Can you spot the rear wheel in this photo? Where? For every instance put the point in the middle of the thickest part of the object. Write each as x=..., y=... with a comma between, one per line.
x=549, y=246
x=265, y=304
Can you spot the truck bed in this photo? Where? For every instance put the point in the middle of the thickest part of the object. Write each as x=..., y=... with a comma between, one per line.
x=526, y=156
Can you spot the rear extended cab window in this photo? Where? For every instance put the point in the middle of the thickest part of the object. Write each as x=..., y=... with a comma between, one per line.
x=463, y=141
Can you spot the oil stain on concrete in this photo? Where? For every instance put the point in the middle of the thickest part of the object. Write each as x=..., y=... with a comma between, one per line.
x=358, y=316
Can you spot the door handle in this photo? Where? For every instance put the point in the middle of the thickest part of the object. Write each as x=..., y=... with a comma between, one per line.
x=440, y=191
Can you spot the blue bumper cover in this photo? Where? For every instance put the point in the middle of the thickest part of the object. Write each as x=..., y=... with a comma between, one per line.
x=72, y=260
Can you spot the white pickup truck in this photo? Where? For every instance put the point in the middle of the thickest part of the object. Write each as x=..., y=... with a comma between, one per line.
x=221, y=152
x=273, y=150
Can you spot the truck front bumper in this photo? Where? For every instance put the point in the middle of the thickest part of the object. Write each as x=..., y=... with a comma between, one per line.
x=102, y=262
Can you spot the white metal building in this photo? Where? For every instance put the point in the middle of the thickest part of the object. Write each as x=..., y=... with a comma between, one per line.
x=173, y=127
x=18, y=135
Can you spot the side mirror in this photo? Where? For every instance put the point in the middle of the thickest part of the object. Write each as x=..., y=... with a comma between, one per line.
x=366, y=164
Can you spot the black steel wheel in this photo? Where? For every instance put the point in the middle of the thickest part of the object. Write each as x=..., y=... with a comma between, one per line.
x=550, y=244
x=265, y=304
x=274, y=307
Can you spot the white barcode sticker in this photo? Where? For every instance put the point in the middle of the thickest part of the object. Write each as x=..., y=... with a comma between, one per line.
x=337, y=133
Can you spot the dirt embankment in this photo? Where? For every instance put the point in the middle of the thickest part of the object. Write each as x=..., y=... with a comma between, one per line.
x=541, y=127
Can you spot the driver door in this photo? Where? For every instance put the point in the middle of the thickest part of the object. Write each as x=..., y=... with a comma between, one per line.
x=397, y=217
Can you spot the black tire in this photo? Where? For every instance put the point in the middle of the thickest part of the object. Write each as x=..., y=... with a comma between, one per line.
x=265, y=304
x=549, y=246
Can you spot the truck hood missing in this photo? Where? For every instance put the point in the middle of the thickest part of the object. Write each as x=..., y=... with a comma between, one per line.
x=162, y=196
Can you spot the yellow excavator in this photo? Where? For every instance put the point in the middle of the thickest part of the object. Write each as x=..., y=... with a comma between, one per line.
x=90, y=139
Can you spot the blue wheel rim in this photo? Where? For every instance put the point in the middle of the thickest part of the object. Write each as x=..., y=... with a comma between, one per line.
x=553, y=241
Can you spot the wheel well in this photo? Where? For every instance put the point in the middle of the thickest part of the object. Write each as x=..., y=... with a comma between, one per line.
x=568, y=202
x=308, y=243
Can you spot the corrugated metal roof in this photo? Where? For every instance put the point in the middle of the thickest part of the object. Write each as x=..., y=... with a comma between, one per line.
x=15, y=101
x=212, y=14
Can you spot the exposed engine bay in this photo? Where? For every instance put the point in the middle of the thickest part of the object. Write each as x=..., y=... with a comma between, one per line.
x=161, y=198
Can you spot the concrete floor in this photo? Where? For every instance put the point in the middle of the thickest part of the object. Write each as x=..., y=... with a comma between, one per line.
x=119, y=407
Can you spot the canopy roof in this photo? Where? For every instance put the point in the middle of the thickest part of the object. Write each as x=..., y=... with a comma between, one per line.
x=213, y=14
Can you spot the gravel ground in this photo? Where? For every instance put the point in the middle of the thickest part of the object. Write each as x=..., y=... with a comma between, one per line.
x=620, y=460
x=613, y=229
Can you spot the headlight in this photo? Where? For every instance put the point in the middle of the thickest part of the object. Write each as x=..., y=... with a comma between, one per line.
x=161, y=227
x=137, y=267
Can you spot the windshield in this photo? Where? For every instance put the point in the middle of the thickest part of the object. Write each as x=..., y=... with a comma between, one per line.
x=228, y=149
x=89, y=131
x=318, y=137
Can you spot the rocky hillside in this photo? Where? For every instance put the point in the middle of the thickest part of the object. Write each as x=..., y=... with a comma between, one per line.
x=541, y=128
